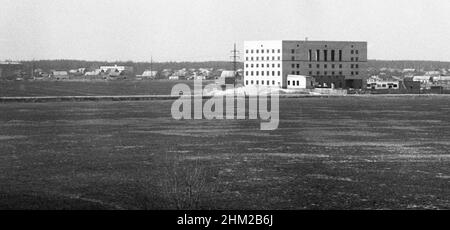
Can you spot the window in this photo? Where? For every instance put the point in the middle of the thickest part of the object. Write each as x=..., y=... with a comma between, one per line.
x=246, y=58
x=356, y=58
x=340, y=73
x=273, y=58
x=262, y=58
x=351, y=52
x=273, y=73
x=332, y=73
x=309, y=65
x=351, y=66
x=293, y=72
x=310, y=73
x=317, y=66
x=332, y=66
x=356, y=66
x=251, y=65
x=340, y=66
x=318, y=73
x=298, y=83
x=325, y=55
x=257, y=65
x=279, y=65
x=273, y=50
x=332, y=55
x=251, y=73
x=292, y=51
x=262, y=82
x=257, y=58
x=317, y=55
x=340, y=55
x=293, y=58
x=298, y=66
x=351, y=73
x=257, y=82
x=356, y=73
x=251, y=82
x=325, y=66
x=262, y=73
x=356, y=51
x=310, y=55
x=279, y=51
x=246, y=73
x=279, y=73
x=268, y=73
x=262, y=51
x=273, y=82
x=268, y=82
x=257, y=73
x=267, y=65
x=325, y=73
x=279, y=58
x=246, y=82
x=273, y=65
x=298, y=72
x=293, y=65
x=351, y=59
x=251, y=51
x=246, y=65
x=289, y=82
x=252, y=58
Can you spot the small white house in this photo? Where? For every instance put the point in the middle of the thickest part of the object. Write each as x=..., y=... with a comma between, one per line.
x=147, y=74
x=382, y=84
x=422, y=79
x=300, y=82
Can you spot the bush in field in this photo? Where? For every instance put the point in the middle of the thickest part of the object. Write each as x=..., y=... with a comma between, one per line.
x=185, y=185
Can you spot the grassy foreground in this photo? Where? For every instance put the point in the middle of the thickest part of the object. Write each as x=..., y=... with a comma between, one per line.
x=328, y=153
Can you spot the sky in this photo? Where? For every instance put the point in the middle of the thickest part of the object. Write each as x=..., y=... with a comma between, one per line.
x=205, y=30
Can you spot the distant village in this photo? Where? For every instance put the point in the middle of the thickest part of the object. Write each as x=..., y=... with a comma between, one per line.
x=408, y=80
x=382, y=80
x=15, y=71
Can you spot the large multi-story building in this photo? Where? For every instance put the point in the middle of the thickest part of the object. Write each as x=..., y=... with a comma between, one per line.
x=342, y=64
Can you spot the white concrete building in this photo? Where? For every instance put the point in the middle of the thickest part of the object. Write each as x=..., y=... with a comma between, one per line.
x=342, y=63
x=300, y=82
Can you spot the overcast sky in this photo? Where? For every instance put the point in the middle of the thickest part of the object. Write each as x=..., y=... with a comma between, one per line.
x=197, y=30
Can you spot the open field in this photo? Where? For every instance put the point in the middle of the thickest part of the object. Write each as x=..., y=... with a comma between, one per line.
x=328, y=153
x=91, y=88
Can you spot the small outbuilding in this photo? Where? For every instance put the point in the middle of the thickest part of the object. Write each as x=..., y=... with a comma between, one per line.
x=300, y=82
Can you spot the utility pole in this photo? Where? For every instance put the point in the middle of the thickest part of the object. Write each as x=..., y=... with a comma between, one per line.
x=235, y=57
x=151, y=67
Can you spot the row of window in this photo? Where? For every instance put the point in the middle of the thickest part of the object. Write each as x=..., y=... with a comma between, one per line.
x=352, y=66
x=325, y=55
x=325, y=66
x=310, y=73
x=262, y=82
x=326, y=73
x=262, y=65
x=297, y=83
x=262, y=58
x=262, y=51
x=262, y=73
